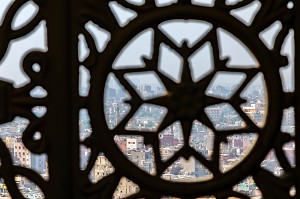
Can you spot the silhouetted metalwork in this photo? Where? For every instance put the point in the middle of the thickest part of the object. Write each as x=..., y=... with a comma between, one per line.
x=185, y=100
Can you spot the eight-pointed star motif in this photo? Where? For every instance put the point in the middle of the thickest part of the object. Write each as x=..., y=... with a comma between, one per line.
x=186, y=100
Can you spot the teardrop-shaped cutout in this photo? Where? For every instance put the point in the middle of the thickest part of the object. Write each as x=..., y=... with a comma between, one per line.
x=24, y=15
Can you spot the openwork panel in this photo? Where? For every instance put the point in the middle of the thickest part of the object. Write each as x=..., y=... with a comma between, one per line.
x=150, y=99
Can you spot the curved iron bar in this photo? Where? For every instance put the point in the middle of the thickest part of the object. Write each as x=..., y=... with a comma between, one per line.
x=8, y=172
x=150, y=66
x=7, y=34
x=100, y=65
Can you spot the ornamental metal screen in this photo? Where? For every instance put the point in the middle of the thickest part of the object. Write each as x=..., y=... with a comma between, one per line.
x=150, y=99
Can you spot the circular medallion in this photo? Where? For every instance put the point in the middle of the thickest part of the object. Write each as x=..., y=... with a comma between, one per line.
x=185, y=101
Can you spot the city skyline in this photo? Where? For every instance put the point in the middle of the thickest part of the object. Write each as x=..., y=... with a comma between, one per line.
x=147, y=119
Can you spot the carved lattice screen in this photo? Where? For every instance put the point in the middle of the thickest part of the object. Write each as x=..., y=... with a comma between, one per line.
x=92, y=37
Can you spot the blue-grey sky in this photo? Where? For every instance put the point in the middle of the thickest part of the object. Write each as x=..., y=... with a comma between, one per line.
x=170, y=63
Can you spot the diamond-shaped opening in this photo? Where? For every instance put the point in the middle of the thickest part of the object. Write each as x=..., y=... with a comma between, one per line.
x=196, y=30
x=39, y=111
x=28, y=188
x=230, y=46
x=147, y=84
x=202, y=139
x=271, y=163
x=287, y=72
x=248, y=187
x=24, y=15
x=246, y=14
x=256, y=95
x=137, y=152
x=84, y=81
x=122, y=14
x=125, y=188
x=139, y=47
x=235, y=150
x=170, y=141
x=161, y=3
x=224, y=84
x=224, y=117
x=201, y=62
x=38, y=92
x=268, y=35
x=289, y=151
x=170, y=63
x=208, y=3
x=101, y=36
x=83, y=50
x=101, y=169
x=190, y=170
x=147, y=118
x=85, y=128
x=288, y=121
x=115, y=105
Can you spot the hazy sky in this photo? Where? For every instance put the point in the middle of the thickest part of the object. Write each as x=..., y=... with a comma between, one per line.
x=170, y=63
